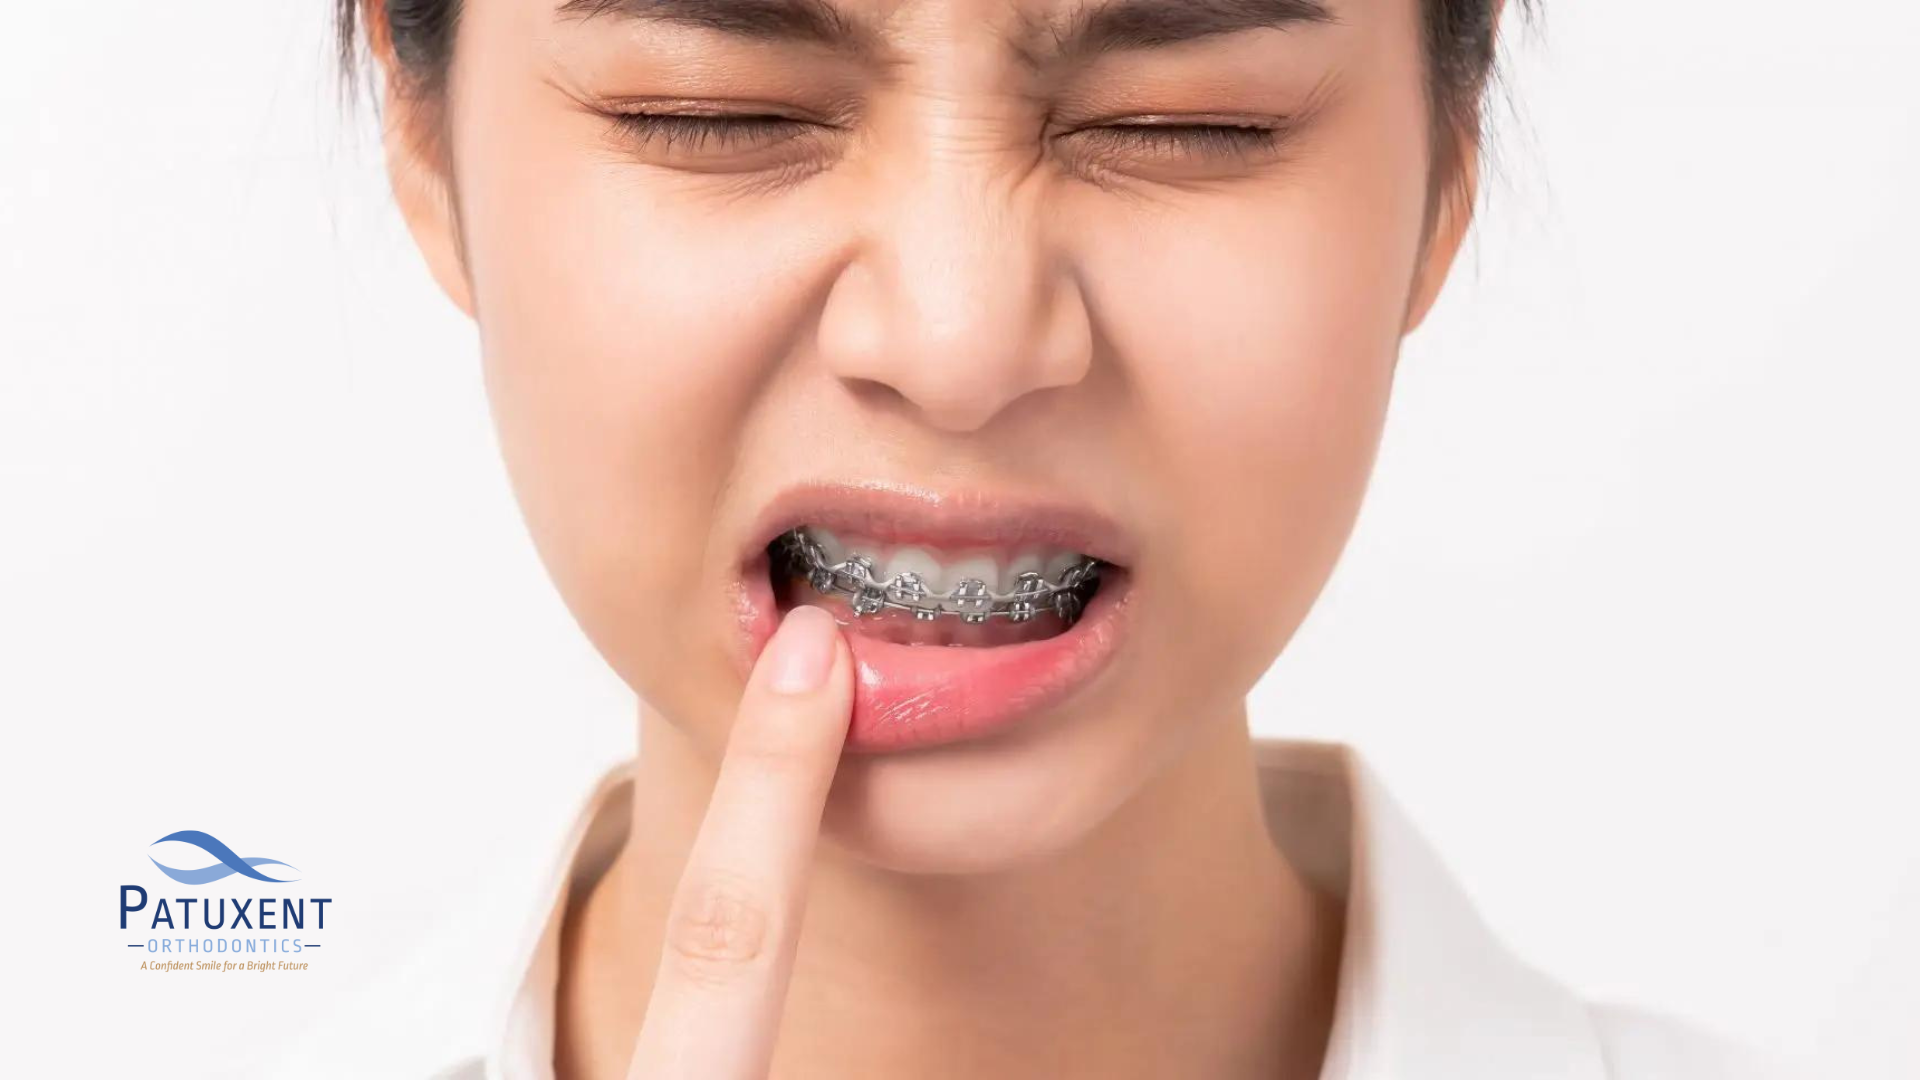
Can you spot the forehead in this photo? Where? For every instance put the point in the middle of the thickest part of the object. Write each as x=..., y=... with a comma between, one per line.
x=1040, y=31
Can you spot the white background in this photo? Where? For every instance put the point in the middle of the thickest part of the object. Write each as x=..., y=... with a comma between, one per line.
x=1629, y=623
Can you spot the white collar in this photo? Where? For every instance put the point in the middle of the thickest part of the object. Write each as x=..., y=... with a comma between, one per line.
x=1426, y=989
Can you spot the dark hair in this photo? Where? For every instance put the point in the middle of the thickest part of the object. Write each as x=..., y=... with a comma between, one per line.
x=1458, y=37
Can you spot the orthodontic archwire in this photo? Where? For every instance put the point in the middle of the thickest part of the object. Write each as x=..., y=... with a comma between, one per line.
x=970, y=600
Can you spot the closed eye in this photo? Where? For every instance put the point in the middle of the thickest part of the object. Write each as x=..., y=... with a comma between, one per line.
x=1204, y=140
x=694, y=131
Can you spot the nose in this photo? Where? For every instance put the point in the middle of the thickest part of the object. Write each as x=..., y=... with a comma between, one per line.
x=958, y=303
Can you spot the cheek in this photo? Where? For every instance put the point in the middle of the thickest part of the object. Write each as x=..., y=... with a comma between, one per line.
x=1260, y=339
x=1272, y=403
x=625, y=334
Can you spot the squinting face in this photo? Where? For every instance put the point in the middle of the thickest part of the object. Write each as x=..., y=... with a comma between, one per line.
x=984, y=279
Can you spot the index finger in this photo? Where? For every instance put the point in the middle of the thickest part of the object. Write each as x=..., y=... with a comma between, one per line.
x=734, y=919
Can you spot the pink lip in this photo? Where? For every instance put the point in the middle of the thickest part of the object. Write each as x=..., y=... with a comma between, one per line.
x=914, y=696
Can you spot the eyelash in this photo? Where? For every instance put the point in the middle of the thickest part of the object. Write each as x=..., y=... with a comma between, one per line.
x=697, y=130
x=1207, y=140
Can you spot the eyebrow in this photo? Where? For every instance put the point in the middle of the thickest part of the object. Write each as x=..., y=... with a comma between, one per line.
x=1102, y=26
x=813, y=22
x=1088, y=28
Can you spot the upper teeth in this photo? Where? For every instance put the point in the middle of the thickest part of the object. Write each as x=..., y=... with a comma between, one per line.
x=1001, y=573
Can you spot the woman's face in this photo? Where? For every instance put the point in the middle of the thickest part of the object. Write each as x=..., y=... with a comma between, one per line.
x=985, y=278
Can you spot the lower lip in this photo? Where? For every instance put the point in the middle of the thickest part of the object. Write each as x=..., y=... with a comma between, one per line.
x=909, y=697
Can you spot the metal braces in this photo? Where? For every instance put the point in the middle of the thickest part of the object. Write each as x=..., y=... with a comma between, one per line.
x=971, y=600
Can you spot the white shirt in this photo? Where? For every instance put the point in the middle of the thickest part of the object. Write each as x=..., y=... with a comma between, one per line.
x=1426, y=990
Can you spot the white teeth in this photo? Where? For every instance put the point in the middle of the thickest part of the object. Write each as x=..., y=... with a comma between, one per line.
x=1023, y=563
x=977, y=566
x=916, y=561
x=1001, y=571
x=830, y=545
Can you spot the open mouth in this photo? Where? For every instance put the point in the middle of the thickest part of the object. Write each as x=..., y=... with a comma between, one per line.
x=910, y=594
x=1032, y=596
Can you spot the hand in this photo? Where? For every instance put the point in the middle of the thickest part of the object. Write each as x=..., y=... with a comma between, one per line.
x=735, y=916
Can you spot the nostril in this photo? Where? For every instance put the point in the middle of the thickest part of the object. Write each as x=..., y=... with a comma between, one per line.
x=951, y=406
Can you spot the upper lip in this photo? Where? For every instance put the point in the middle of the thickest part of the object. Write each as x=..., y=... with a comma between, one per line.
x=970, y=518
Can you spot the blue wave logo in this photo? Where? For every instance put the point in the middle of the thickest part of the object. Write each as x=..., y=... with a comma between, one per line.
x=229, y=864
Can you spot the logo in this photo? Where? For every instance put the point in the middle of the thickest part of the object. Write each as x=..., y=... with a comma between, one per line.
x=262, y=921
x=229, y=864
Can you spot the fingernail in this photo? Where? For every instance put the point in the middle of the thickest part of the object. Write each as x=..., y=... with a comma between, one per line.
x=801, y=651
